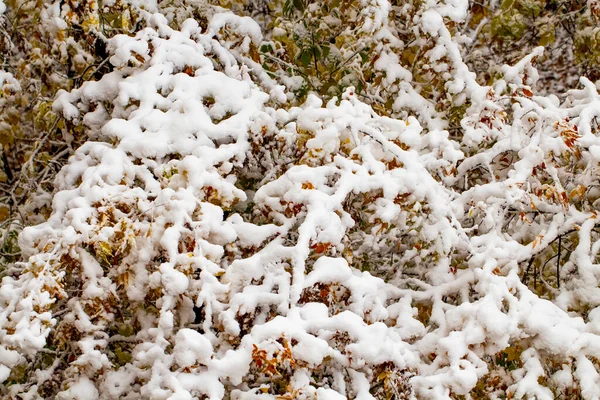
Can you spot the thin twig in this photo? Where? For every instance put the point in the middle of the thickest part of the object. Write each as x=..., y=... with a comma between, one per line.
x=345, y=62
x=280, y=61
x=558, y=263
x=314, y=50
x=526, y=273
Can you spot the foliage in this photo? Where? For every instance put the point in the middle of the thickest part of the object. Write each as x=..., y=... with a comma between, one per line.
x=568, y=29
x=334, y=199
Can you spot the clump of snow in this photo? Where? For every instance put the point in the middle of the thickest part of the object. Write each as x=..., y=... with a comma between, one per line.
x=191, y=347
x=83, y=389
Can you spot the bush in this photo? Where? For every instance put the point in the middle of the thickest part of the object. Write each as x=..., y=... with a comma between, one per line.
x=367, y=221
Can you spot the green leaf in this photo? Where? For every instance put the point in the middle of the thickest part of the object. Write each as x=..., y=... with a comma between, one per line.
x=266, y=48
x=317, y=52
x=326, y=50
x=363, y=56
x=506, y=4
x=547, y=38
x=305, y=57
x=123, y=357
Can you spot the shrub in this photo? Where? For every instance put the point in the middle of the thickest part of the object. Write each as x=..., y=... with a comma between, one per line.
x=224, y=233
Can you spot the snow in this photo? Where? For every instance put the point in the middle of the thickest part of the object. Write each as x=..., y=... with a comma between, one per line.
x=83, y=389
x=431, y=22
x=191, y=347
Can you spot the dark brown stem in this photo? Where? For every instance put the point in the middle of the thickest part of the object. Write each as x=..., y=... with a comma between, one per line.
x=526, y=273
x=558, y=263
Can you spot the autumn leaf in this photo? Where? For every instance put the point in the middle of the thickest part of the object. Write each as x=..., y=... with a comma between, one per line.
x=321, y=247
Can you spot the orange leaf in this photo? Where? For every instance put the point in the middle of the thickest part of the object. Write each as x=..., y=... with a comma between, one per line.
x=321, y=247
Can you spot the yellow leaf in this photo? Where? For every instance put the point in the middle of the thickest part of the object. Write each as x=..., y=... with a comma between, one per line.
x=103, y=251
x=4, y=213
x=513, y=353
x=126, y=21
x=105, y=247
x=383, y=375
x=91, y=22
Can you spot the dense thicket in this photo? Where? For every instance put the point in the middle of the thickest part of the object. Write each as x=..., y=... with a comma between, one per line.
x=296, y=199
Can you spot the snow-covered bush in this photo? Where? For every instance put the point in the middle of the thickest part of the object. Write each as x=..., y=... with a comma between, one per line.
x=225, y=233
x=46, y=46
